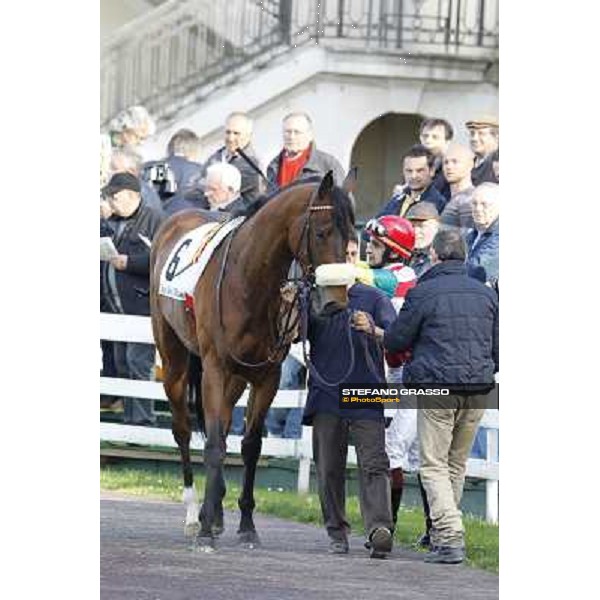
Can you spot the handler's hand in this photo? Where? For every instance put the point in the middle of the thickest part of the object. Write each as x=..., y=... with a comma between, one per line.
x=119, y=262
x=362, y=322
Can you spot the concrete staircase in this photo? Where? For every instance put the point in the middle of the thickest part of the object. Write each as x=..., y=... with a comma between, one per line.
x=180, y=53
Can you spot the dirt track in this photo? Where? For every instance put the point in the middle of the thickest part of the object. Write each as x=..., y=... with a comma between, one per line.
x=145, y=556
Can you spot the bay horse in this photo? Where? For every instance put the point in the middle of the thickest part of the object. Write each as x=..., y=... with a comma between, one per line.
x=231, y=337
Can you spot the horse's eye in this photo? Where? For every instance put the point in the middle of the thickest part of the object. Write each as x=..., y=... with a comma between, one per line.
x=323, y=234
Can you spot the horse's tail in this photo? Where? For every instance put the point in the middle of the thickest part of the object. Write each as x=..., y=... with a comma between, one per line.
x=194, y=389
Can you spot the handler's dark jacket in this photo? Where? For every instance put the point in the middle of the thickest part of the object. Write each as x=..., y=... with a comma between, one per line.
x=253, y=185
x=127, y=291
x=330, y=353
x=450, y=321
x=318, y=163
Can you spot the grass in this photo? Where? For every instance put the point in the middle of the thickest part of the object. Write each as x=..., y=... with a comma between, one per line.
x=481, y=537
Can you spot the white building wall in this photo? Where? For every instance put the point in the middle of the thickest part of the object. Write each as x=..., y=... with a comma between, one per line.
x=343, y=93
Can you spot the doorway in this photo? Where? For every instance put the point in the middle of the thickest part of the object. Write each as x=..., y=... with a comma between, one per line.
x=377, y=152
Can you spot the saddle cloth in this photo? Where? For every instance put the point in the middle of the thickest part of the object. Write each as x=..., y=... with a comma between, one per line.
x=189, y=258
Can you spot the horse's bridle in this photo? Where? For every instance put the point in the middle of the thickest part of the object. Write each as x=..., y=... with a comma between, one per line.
x=303, y=286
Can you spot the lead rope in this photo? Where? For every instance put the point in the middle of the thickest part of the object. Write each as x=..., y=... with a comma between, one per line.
x=304, y=310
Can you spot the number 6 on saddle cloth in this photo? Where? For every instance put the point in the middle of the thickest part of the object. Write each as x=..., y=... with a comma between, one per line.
x=189, y=258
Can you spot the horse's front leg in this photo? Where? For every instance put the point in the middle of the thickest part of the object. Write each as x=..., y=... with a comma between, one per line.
x=261, y=397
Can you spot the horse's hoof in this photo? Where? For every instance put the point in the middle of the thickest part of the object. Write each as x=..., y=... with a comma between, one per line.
x=191, y=529
x=204, y=544
x=249, y=539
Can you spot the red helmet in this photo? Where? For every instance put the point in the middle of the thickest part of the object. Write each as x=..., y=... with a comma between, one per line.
x=395, y=232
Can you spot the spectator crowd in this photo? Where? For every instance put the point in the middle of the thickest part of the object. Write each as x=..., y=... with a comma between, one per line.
x=433, y=243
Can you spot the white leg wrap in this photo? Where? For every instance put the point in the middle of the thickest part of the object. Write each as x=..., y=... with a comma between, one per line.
x=190, y=501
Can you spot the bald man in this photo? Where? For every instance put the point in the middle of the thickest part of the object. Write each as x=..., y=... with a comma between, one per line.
x=238, y=134
x=457, y=165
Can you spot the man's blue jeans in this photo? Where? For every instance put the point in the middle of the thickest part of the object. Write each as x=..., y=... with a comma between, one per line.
x=287, y=422
x=136, y=361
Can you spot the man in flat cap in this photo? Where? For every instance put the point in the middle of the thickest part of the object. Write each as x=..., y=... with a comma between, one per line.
x=125, y=280
x=484, y=135
x=425, y=220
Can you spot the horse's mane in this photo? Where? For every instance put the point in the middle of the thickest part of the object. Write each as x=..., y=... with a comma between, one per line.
x=343, y=212
x=343, y=209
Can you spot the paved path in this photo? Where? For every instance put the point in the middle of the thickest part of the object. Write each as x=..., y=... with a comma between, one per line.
x=144, y=556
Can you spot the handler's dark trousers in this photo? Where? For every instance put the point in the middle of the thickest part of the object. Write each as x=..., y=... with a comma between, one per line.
x=445, y=439
x=330, y=449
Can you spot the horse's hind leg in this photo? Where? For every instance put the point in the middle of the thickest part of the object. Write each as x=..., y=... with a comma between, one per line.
x=175, y=356
x=219, y=391
x=261, y=397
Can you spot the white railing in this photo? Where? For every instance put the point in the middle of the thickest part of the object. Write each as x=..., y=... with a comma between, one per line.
x=126, y=328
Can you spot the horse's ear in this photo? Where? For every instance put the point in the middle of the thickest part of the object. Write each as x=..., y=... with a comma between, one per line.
x=349, y=184
x=326, y=184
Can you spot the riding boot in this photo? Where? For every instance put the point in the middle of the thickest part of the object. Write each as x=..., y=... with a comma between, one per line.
x=425, y=540
x=397, y=483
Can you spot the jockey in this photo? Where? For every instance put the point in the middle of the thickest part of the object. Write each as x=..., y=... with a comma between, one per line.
x=389, y=250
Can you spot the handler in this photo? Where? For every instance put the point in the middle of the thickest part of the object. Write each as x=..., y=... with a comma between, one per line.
x=331, y=357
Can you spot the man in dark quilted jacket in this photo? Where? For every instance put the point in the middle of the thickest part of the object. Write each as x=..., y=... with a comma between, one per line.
x=450, y=321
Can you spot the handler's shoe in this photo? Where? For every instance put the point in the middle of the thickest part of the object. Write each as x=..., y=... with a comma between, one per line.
x=338, y=547
x=380, y=542
x=447, y=555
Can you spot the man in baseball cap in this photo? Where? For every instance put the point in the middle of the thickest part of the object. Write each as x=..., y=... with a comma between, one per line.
x=124, y=280
x=121, y=181
x=424, y=218
x=484, y=135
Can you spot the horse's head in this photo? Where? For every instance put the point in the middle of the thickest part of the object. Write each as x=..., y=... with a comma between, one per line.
x=326, y=229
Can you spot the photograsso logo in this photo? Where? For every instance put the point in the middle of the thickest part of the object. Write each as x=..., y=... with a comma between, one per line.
x=424, y=396
x=354, y=393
